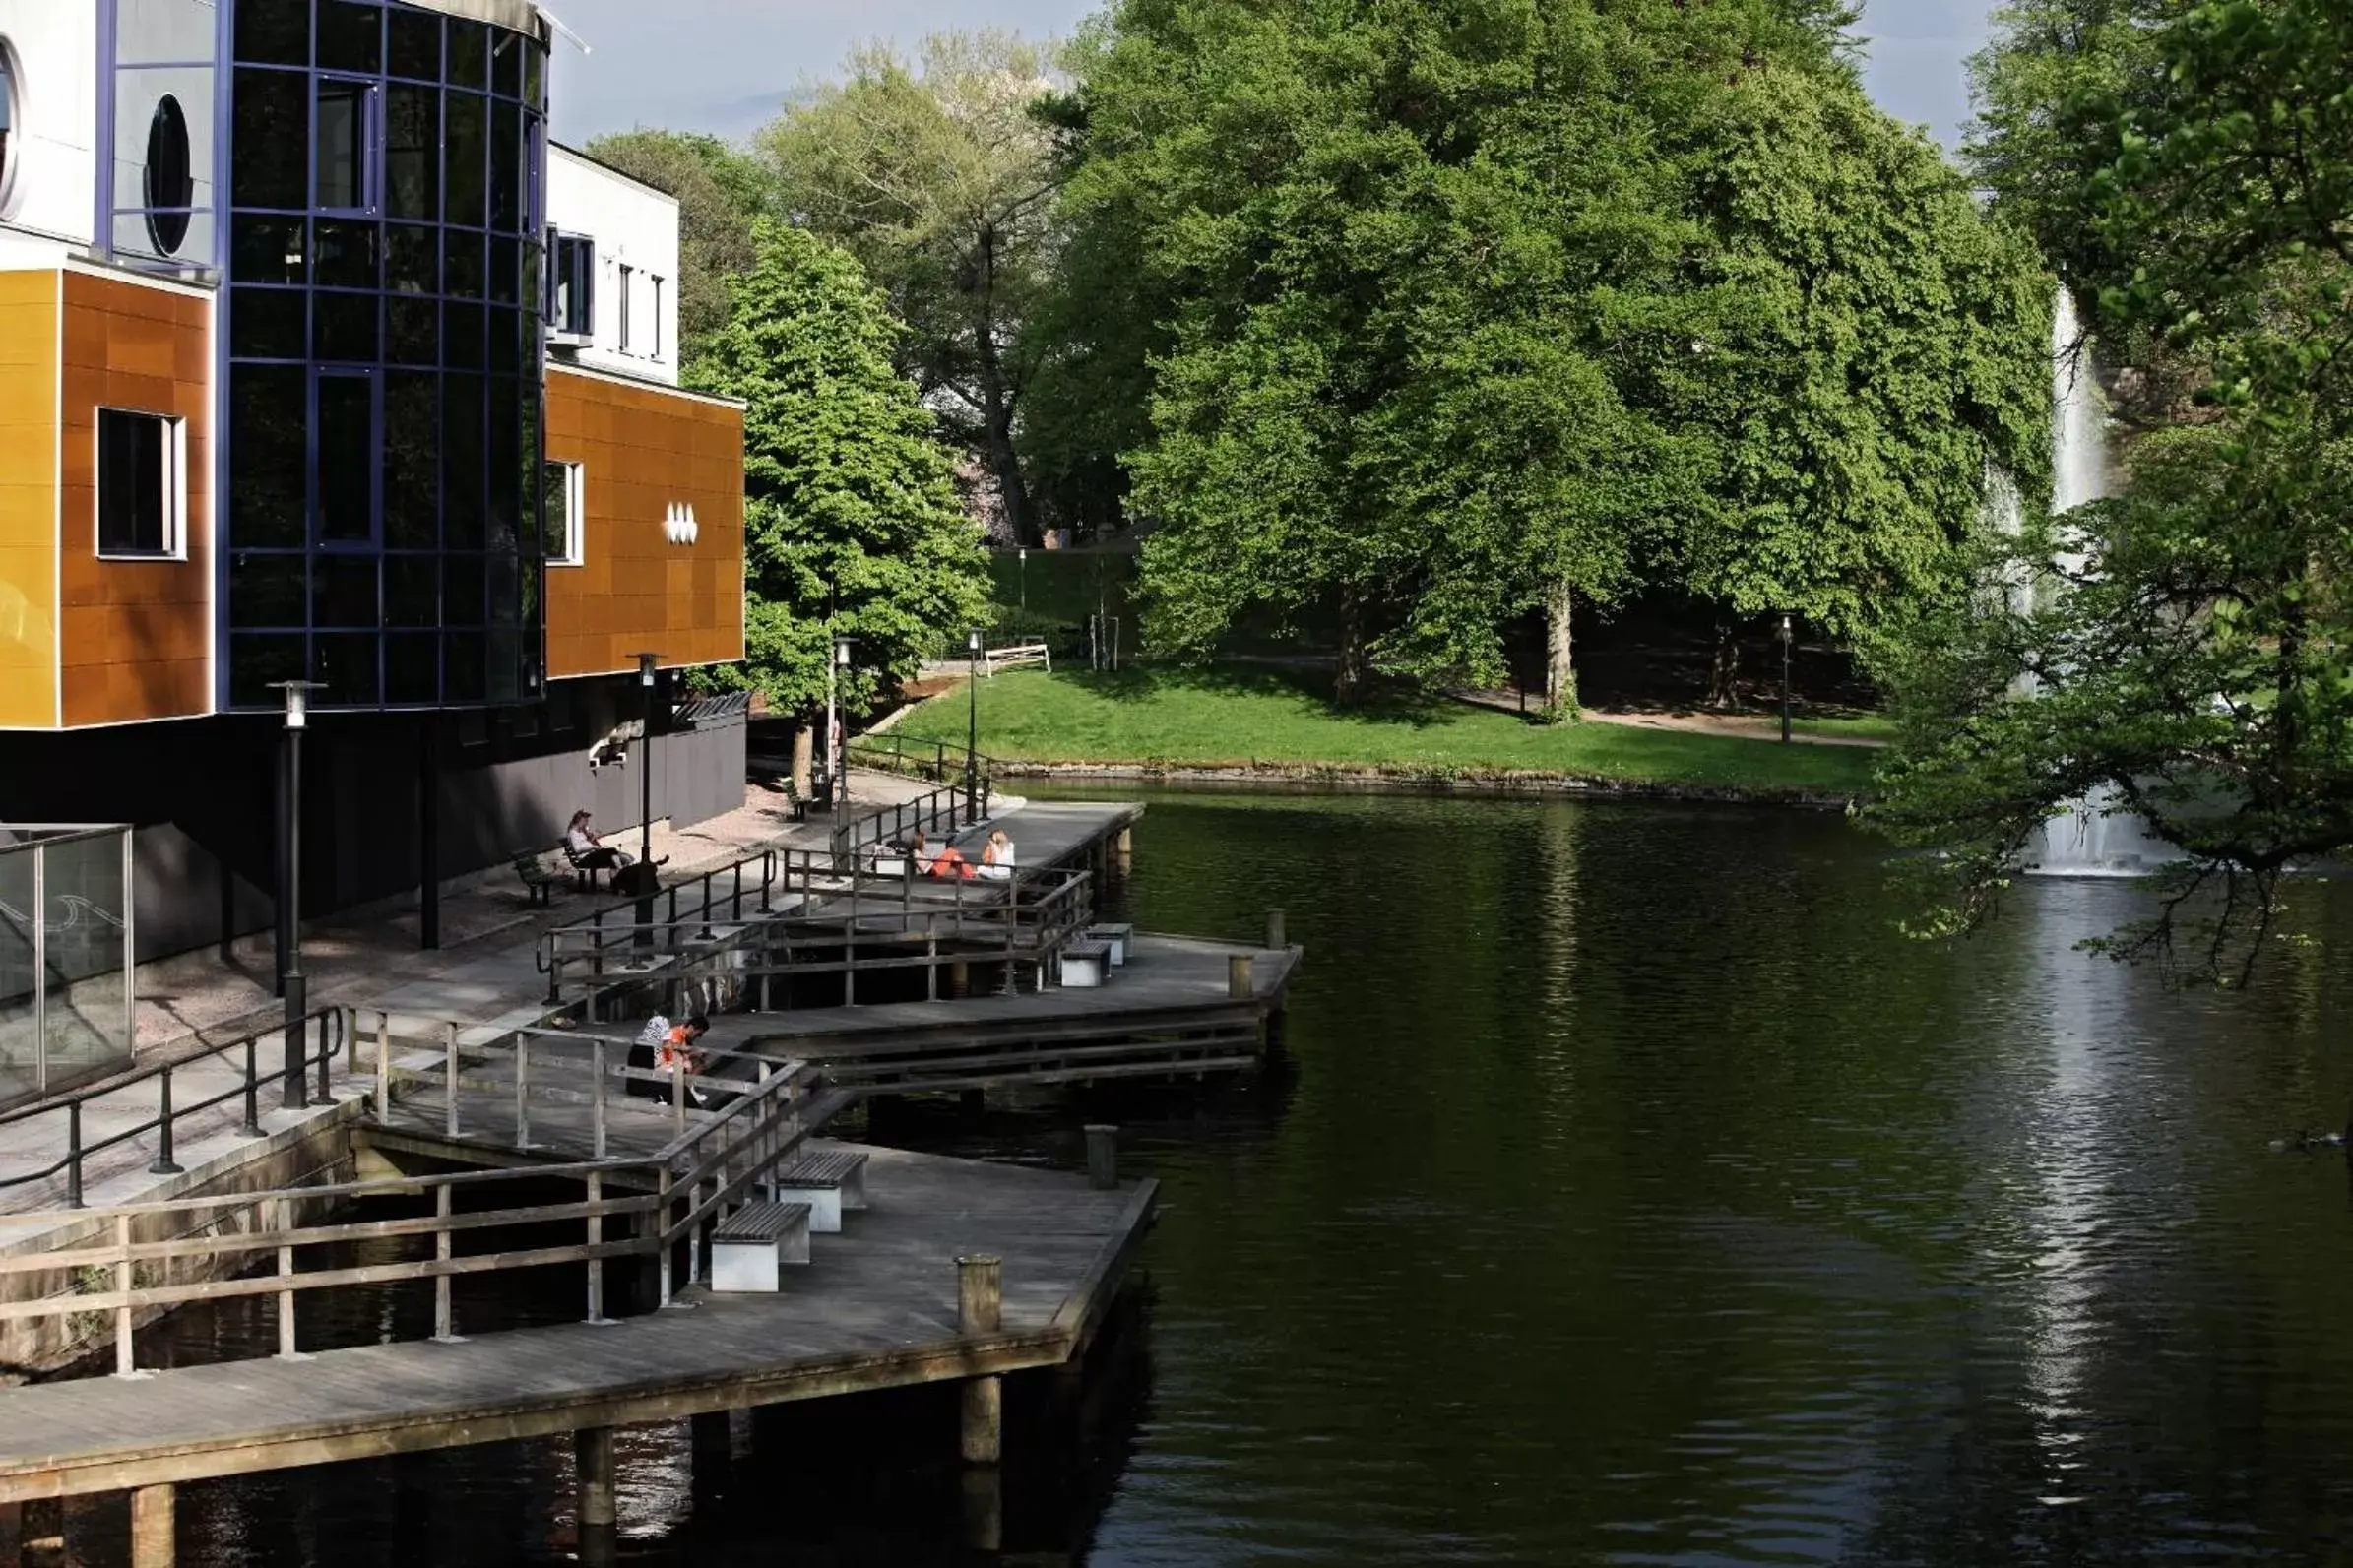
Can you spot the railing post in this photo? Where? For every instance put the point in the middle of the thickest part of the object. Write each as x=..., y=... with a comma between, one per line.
x=283, y=1209
x=445, y=1330
x=327, y=1054
x=677, y=1094
x=597, y=1094
x=1102, y=1155
x=165, y=1164
x=383, y=1066
x=595, y=1239
x=126, y=1280
x=661, y=1235
x=73, y=1153
x=522, y=1090
x=348, y=1020
x=449, y=1051
x=253, y=1106
x=738, y=909
x=1238, y=975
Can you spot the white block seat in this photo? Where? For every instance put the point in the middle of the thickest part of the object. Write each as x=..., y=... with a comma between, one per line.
x=1116, y=938
x=829, y=1181
x=751, y=1246
x=1086, y=965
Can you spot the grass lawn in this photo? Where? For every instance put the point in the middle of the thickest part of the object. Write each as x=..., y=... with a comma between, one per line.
x=1239, y=716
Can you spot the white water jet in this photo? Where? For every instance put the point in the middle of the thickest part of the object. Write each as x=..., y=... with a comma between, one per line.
x=2095, y=839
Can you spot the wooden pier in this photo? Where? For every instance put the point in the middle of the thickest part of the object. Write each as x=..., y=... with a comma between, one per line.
x=876, y=1308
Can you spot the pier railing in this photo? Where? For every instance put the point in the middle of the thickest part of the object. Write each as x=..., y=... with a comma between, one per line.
x=941, y=811
x=940, y=761
x=676, y=1196
x=256, y=1059
x=827, y=919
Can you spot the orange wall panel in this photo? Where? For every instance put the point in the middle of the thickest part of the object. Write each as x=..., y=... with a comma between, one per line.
x=642, y=450
x=137, y=639
x=29, y=353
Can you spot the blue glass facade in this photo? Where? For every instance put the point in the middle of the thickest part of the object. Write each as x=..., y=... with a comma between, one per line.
x=384, y=349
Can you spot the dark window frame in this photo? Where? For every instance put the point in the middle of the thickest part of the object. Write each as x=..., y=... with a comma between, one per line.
x=572, y=263
x=171, y=521
x=370, y=151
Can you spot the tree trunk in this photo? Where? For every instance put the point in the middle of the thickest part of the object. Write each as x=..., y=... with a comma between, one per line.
x=1559, y=663
x=1724, y=671
x=1348, y=682
x=805, y=748
x=997, y=399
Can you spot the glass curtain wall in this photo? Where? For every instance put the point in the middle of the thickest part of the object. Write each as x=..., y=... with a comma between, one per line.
x=386, y=349
x=65, y=951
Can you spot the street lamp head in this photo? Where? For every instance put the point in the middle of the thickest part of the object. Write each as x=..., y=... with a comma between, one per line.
x=841, y=652
x=646, y=665
x=974, y=643
x=297, y=700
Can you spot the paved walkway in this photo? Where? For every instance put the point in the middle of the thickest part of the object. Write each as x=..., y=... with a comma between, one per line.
x=1735, y=727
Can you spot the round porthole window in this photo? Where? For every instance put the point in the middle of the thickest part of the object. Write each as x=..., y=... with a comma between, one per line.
x=12, y=123
x=170, y=181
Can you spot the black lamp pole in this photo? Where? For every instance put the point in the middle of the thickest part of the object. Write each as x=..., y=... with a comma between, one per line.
x=1788, y=638
x=291, y=981
x=646, y=663
x=972, y=645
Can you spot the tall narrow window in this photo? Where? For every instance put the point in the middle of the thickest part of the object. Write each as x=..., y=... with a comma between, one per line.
x=564, y=493
x=345, y=482
x=139, y=483
x=629, y=274
x=345, y=137
x=653, y=322
x=571, y=285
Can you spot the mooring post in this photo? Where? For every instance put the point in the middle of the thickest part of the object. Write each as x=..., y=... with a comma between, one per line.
x=1102, y=1155
x=153, y=1525
x=1275, y=942
x=592, y=1457
x=595, y=1239
x=983, y=1509
x=1238, y=975
x=981, y=1309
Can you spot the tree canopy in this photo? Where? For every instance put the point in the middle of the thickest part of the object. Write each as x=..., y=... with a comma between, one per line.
x=851, y=519
x=1456, y=306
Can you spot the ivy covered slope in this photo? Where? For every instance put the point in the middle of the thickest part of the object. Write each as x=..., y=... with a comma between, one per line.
x=852, y=518
x=1458, y=310
x=2188, y=646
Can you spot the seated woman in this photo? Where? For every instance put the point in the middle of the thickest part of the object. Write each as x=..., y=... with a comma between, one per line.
x=997, y=857
x=587, y=852
x=946, y=862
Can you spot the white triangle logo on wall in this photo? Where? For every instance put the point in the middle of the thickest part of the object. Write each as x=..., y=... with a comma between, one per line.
x=680, y=525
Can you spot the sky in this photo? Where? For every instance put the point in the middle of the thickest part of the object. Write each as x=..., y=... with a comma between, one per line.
x=724, y=64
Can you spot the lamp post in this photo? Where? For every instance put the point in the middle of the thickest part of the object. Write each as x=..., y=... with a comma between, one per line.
x=837, y=784
x=1788, y=635
x=291, y=983
x=974, y=643
x=646, y=665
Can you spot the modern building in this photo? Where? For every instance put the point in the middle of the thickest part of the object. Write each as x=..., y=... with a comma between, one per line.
x=318, y=362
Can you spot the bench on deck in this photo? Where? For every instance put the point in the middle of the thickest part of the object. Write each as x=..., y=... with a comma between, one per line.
x=538, y=883
x=1086, y=965
x=749, y=1249
x=1119, y=938
x=829, y=1182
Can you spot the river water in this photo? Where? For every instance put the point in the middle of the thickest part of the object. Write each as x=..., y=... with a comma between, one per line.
x=1633, y=1193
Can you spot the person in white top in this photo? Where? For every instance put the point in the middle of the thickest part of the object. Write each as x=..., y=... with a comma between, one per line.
x=997, y=857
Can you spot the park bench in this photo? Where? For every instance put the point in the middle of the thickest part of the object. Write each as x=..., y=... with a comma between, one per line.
x=829, y=1181
x=750, y=1247
x=798, y=807
x=538, y=883
x=1086, y=965
x=1119, y=938
x=583, y=873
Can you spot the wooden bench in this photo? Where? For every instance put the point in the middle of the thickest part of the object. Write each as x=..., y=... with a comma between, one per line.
x=538, y=882
x=829, y=1181
x=585, y=874
x=799, y=807
x=1086, y=965
x=749, y=1249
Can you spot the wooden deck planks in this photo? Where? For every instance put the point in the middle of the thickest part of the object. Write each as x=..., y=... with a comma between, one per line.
x=875, y=1308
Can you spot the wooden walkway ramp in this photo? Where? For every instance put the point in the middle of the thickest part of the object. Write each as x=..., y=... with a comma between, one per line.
x=877, y=1307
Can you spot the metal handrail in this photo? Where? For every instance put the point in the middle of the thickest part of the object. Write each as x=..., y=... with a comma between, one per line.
x=332, y=1034
x=940, y=809
x=889, y=752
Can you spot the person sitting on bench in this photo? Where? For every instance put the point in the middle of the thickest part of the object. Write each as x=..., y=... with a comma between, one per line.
x=588, y=852
x=997, y=857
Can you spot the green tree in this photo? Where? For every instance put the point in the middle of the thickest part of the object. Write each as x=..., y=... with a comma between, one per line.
x=851, y=521
x=2197, y=667
x=721, y=191
x=939, y=178
x=1476, y=308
